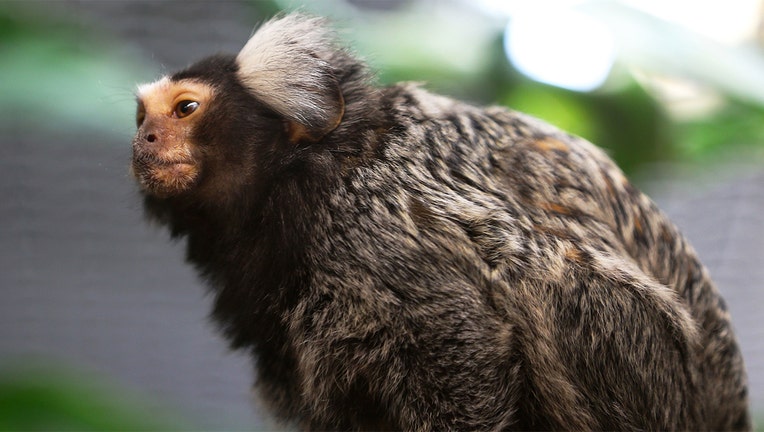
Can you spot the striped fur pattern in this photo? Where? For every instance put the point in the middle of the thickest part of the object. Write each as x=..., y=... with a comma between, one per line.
x=431, y=265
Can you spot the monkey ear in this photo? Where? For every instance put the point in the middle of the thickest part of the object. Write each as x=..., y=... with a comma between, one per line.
x=287, y=64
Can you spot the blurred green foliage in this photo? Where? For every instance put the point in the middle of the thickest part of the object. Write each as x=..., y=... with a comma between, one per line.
x=738, y=127
x=37, y=396
x=57, y=76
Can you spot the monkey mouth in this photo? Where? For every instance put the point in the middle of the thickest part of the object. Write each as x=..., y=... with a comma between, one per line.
x=164, y=176
x=152, y=159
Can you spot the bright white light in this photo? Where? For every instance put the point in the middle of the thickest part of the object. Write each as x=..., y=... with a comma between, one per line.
x=508, y=8
x=560, y=47
x=729, y=21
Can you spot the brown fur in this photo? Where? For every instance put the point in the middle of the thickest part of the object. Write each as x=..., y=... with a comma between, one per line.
x=430, y=265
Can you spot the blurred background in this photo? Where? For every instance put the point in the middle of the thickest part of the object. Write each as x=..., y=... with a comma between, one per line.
x=102, y=326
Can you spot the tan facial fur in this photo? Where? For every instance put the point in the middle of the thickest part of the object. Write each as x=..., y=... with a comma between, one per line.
x=165, y=161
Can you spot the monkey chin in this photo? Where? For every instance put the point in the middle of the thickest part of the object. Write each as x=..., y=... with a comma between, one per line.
x=165, y=179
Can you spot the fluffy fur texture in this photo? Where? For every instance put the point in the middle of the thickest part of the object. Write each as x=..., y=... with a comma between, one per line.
x=430, y=265
x=289, y=64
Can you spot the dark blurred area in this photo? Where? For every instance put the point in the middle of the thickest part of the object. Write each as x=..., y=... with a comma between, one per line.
x=102, y=325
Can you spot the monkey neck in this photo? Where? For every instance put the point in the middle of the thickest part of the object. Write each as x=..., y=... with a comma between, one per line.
x=252, y=255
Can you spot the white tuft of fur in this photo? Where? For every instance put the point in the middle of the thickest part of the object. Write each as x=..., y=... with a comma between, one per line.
x=286, y=64
x=144, y=89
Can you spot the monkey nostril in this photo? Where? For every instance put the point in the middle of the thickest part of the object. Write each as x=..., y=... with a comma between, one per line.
x=151, y=138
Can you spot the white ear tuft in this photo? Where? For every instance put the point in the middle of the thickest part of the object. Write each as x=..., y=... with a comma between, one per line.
x=287, y=65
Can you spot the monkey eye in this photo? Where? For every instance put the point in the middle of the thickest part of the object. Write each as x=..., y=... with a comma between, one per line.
x=185, y=108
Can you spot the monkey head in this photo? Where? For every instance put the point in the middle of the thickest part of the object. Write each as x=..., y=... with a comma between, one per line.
x=223, y=122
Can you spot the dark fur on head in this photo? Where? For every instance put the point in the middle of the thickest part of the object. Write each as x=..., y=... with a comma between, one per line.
x=399, y=260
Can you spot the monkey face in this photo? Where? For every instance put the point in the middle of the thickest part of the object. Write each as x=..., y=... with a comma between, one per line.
x=166, y=161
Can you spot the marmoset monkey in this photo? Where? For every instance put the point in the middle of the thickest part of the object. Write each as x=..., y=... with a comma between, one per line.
x=394, y=259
